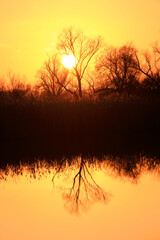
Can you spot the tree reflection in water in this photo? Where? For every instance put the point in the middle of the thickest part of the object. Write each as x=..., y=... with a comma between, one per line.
x=84, y=191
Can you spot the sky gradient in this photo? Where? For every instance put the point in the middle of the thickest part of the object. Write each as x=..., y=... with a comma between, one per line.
x=29, y=29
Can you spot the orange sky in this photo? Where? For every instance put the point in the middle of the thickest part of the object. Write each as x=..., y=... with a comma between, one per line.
x=29, y=28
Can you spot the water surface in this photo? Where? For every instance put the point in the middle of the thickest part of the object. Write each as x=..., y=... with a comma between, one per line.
x=107, y=197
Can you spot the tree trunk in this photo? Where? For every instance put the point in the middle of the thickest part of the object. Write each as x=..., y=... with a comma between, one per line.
x=80, y=88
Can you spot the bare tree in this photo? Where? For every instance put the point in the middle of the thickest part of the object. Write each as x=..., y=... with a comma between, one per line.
x=74, y=42
x=53, y=78
x=15, y=81
x=116, y=68
x=149, y=66
x=156, y=50
x=16, y=87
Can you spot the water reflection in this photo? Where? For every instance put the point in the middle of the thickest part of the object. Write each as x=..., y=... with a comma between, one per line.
x=74, y=175
x=132, y=166
x=84, y=190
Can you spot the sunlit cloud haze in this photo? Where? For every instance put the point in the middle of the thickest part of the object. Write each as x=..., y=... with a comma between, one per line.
x=29, y=29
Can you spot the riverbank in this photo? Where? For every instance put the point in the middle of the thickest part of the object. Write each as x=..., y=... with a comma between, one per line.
x=45, y=130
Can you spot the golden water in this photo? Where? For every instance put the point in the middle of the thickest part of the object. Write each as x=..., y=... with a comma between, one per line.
x=80, y=201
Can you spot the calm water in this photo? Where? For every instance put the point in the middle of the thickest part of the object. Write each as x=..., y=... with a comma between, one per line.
x=107, y=197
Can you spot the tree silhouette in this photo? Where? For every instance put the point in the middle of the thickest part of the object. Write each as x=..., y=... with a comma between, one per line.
x=74, y=42
x=149, y=67
x=53, y=77
x=116, y=67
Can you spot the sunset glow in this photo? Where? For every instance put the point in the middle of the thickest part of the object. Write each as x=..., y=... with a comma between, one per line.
x=79, y=125
x=30, y=28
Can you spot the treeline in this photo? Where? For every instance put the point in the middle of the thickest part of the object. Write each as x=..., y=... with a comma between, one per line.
x=116, y=101
x=100, y=72
x=118, y=75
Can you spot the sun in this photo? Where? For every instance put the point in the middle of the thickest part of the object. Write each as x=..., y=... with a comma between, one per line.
x=69, y=61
